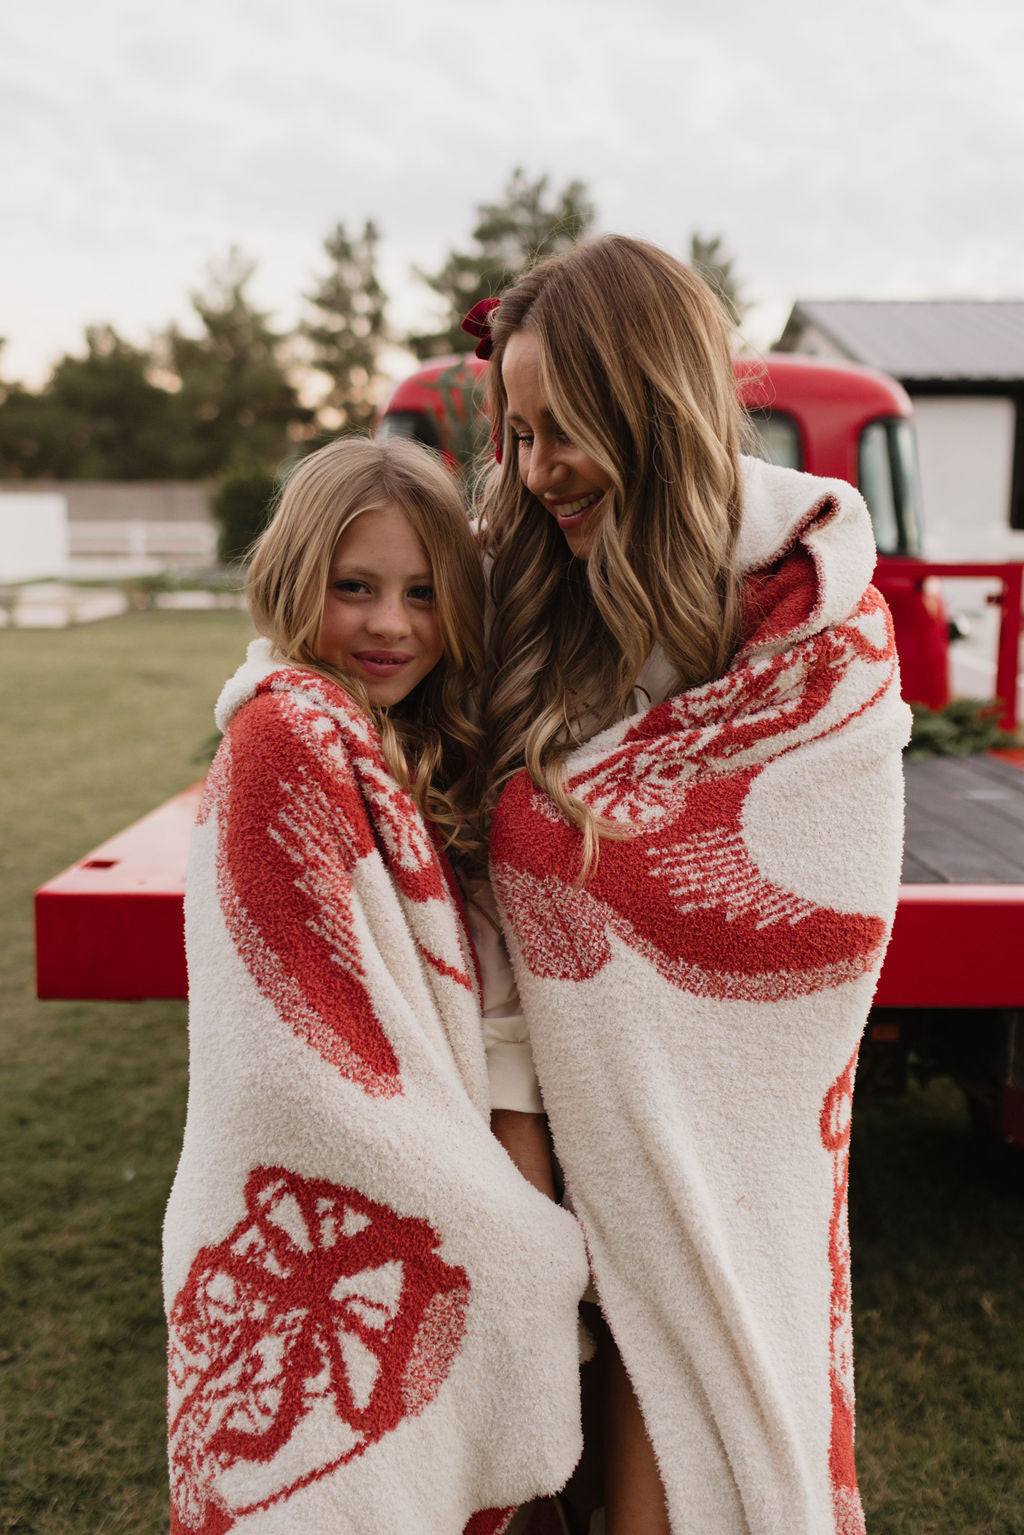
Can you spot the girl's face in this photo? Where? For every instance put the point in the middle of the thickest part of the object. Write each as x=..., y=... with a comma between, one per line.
x=379, y=623
x=561, y=476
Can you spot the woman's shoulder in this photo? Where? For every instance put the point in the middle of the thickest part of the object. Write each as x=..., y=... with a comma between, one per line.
x=782, y=505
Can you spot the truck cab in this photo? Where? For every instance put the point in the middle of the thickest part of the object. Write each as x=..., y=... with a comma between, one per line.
x=832, y=419
x=851, y=423
x=442, y=406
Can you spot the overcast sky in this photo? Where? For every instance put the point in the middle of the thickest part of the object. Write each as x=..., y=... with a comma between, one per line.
x=868, y=150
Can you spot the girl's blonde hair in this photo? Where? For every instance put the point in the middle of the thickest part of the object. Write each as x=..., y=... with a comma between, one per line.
x=431, y=742
x=635, y=363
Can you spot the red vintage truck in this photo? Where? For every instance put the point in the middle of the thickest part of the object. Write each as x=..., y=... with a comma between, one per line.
x=833, y=419
x=951, y=993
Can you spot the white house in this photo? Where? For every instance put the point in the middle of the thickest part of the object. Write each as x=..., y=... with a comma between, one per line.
x=34, y=541
x=962, y=363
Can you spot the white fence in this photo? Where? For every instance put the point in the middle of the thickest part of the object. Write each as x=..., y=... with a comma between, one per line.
x=137, y=546
x=115, y=529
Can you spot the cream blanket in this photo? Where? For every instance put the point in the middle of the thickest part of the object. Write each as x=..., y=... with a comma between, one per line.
x=372, y=1315
x=695, y=1011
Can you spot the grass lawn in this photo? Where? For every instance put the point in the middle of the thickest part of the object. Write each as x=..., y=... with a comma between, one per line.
x=938, y=1287
x=99, y=725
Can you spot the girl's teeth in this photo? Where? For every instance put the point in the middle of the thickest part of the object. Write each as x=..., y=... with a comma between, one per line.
x=575, y=506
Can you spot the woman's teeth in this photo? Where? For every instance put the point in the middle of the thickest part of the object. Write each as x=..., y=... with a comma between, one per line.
x=570, y=508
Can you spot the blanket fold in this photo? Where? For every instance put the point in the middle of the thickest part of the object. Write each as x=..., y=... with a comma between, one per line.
x=372, y=1315
x=695, y=1010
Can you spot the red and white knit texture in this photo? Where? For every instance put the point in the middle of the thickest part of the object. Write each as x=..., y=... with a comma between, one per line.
x=372, y=1316
x=695, y=1005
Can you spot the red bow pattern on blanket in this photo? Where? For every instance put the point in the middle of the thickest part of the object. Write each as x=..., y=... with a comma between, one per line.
x=319, y=1302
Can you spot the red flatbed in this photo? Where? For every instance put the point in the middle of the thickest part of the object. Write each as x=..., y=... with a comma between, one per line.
x=958, y=938
x=111, y=926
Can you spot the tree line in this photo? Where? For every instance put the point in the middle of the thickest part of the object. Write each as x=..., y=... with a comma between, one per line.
x=233, y=398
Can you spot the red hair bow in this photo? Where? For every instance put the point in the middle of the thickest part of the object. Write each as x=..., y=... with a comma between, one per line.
x=477, y=323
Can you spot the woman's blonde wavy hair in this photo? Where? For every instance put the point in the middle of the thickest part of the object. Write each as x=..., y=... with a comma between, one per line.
x=431, y=741
x=636, y=368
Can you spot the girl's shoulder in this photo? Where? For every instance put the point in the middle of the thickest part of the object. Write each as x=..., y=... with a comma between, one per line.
x=270, y=702
x=266, y=675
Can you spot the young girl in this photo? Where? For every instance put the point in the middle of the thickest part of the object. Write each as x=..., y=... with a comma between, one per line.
x=372, y=1316
x=695, y=725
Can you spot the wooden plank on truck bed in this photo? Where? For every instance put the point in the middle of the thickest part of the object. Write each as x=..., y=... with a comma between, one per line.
x=965, y=819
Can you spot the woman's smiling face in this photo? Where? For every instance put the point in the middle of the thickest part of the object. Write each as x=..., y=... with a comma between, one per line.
x=569, y=485
x=379, y=621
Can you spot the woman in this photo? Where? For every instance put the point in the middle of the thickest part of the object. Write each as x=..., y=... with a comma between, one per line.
x=696, y=728
x=372, y=1316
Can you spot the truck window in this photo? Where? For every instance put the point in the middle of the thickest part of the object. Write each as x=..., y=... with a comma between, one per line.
x=909, y=478
x=890, y=484
x=416, y=424
x=776, y=438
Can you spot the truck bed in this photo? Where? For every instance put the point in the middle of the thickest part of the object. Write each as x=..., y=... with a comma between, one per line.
x=965, y=821
x=111, y=926
x=958, y=937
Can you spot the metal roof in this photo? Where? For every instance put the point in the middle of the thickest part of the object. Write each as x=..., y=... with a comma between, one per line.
x=925, y=339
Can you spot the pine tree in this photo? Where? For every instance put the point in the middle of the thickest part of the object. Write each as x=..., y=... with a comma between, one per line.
x=706, y=257
x=347, y=329
x=235, y=404
x=99, y=416
x=525, y=226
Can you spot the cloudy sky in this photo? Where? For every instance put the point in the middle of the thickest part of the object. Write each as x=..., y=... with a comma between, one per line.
x=868, y=150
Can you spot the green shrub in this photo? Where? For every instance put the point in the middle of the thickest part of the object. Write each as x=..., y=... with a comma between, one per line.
x=241, y=506
x=964, y=726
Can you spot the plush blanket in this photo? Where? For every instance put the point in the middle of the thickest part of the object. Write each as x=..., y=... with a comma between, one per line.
x=695, y=1009
x=372, y=1315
